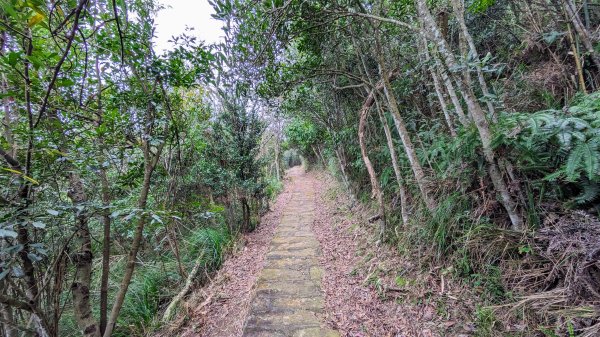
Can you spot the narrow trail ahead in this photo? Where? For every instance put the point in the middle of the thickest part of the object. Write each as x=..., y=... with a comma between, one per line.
x=288, y=299
x=305, y=271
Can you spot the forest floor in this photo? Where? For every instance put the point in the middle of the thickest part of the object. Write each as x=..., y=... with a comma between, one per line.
x=312, y=268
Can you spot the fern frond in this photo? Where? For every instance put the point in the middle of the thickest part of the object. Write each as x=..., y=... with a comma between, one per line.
x=578, y=123
x=574, y=161
x=590, y=191
x=554, y=176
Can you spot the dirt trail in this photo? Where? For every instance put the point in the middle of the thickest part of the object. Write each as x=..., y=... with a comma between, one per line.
x=288, y=300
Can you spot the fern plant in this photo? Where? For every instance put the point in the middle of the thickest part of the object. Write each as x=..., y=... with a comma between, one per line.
x=570, y=138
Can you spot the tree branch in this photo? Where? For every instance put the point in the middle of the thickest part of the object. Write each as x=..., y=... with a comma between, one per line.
x=17, y=304
x=62, y=60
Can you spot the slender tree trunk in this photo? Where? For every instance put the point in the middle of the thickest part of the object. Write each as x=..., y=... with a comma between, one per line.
x=404, y=136
x=277, y=131
x=8, y=322
x=168, y=314
x=392, y=148
x=578, y=67
x=83, y=261
x=440, y=95
x=168, y=203
x=277, y=168
x=106, y=224
x=172, y=237
x=6, y=312
x=150, y=161
x=321, y=155
x=83, y=257
x=375, y=188
x=439, y=69
x=246, y=214
x=317, y=156
x=401, y=128
x=25, y=191
x=342, y=163
x=584, y=34
x=411, y=154
x=106, y=221
x=459, y=12
x=432, y=32
x=458, y=108
x=438, y=89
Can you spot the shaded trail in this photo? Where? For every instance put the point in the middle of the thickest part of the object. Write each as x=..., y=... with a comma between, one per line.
x=288, y=299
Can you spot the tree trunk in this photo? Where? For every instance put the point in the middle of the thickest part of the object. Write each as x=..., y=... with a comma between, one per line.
x=440, y=95
x=576, y=58
x=149, y=166
x=404, y=136
x=375, y=188
x=432, y=32
x=573, y=16
x=83, y=260
x=106, y=223
x=392, y=148
x=277, y=168
x=342, y=168
x=439, y=68
x=438, y=89
x=458, y=108
x=186, y=288
x=245, y=214
x=459, y=12
x=172, y=237
x=6, y=312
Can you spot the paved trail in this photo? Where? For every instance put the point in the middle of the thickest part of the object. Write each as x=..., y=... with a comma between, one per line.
x=289, y=299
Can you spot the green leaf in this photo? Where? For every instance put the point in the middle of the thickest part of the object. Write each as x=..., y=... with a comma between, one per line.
x=9, y=9
x=39, y=225
x=156, y=218
x=479, y=6
x=34, y=258
x=552, y=36
x=13, y=58
x=7, y=233
x=554, y=176
x=64, y=82
x=52, y=212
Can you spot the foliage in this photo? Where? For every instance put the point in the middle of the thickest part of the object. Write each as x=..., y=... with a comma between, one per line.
x=303, y=135
x=111, y=152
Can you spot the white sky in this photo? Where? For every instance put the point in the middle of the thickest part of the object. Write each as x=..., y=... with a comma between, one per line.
x=181, y=13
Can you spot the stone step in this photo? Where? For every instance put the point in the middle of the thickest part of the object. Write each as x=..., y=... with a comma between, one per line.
x=288, y=299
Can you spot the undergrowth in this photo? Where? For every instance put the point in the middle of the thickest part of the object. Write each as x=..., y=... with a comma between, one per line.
x=554, y=156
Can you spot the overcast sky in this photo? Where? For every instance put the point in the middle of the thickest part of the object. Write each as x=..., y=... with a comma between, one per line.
x=181, y=13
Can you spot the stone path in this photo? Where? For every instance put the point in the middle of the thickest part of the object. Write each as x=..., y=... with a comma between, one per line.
x=289, y=300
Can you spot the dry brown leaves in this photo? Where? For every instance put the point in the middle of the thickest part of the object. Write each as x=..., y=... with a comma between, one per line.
x=219, y=308
x=362, y=294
